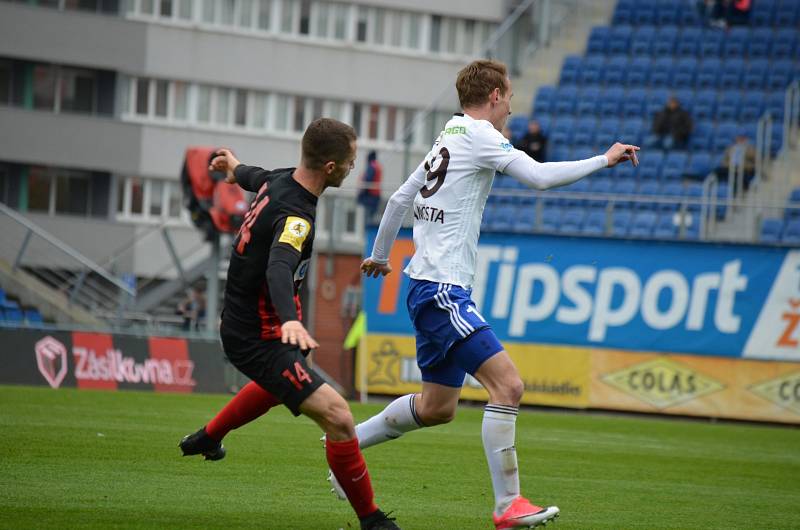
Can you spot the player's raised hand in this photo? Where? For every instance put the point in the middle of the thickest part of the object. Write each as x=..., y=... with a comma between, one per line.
x=619, y=153
x=224, y=161
x=370, y=268
x=293, y=332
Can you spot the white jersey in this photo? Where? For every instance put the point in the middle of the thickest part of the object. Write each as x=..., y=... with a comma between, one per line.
x=449, y=207
x=449, y=190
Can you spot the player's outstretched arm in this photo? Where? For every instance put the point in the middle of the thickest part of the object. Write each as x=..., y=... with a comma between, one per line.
x=391, y=221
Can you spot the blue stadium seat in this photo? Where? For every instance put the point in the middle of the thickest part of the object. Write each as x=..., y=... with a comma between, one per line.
x=792, y=210
x=570, y=70
x=2, y=297
x=656, y=99
x=557, y=153
x=633, y=104
x=599, y=186
x=771, y=230
x=643, y=224
x=620, y=222
x=33, y=317
x=592, y=70
x=643, y=15
x=701, y=137
x=756, y=74
x=572, y=221
x=762, y=13
x=731, y=74
x=665, y=228
x=638, y=72
x=674, y=165
x=595, y=223
x=694, y=191
x=708, y=73
x=704, y=105
x=525, y=221
x=632, y=130
x=685, y=69
x=780, y=74
x=685, y=97
x=584, y=131
x=501, y=219
x=611, y=101
x=791, y=234
x=724, y=135
x=786, y=14
x=565, y=100
x=760, y=43
x=588, y=102
x=700, y=165
x=661, y=73
x=736, y=42
x=623, y=14
x=544, y=103
x=664, y=43
x=620, y=40
x=10, y=304
x=615, y=70
x=13, y=315
x=598, y=41
x=688, y=15
x=752, y=106
x=711, y=43
x=650, y=163
x=624, y=187
x=551, y=218
x=561, y=132
x=667, y=13
x=776, y=102
x=689, y=42
x=784, y=43
x=607, y=132
x=642, y=40
x=647, y=188
x=728, y=106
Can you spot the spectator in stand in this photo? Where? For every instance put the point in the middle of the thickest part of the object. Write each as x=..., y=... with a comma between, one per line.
x=192, y=309
x=534, y=143
x=725, y=13
x=671, y=127
x=370, y=193
x=740, y=152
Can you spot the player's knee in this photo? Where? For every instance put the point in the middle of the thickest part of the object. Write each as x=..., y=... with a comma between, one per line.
x=436, y=415
x=339, y=420
x=509, y=392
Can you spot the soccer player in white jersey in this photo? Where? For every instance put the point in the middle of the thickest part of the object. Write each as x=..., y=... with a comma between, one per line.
x=448, y=191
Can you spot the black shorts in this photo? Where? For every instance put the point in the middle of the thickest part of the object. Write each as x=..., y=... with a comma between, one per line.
x=280, y=369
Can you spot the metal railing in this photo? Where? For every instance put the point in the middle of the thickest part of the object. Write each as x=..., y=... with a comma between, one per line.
x=81, y=281
x=791, y=117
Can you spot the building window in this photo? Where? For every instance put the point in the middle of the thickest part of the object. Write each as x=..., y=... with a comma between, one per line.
x=357, y=118
x=227, y=8
x=414, y=23
x=299, y=113
x=181, y=100
x=162, y=88
x=148, y=7
x=361, y=24
x=287, y=16
x=391, y=123
x=136, y=187
x=185, y=9
x=305, y=16
x=142, y=96
x=156, y=197
x=203, y=104
x=321, y=18
x=78, y=90
x=5, y=82
x=340, y=20
x=436, y=33
x=73, y=193
x=240, y=115
x=166, y=8
x=40, y=182
x=223, y=111
x=282, y=112
x=260, y=111
x=208, y=11
x=264, y=14
x=246, y=13
x=395, y=27
x=374, y=118
x=44, y=87
x=174, y=200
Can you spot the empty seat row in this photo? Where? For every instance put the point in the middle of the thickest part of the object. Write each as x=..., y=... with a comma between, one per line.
x=688, y=72
x=663, y=41
x=780, y=231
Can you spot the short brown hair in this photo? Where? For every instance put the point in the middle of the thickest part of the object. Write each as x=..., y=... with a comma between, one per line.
x=477, y=80
x=326, y=140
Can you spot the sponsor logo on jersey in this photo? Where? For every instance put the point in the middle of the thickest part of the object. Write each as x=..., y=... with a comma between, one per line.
x=456, y=130
x=428, y=213
x=506, y=146
x=662, y=383
x=295, y=232
x=784, y=391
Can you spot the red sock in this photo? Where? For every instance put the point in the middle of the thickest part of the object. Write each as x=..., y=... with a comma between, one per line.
x=347, y=463
x=251, y=402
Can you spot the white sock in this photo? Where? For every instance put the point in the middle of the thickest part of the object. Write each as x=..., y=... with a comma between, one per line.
x=499, y=432
x=399, y=417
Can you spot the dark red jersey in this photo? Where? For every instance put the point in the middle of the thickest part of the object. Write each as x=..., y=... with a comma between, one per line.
x=270, y=254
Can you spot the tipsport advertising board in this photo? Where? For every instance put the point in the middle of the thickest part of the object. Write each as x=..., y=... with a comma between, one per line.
x=561, y=306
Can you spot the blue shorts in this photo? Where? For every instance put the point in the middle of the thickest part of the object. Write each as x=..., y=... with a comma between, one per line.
x=453, y=339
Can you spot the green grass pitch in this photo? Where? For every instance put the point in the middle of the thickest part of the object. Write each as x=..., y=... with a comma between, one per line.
x=82, y=459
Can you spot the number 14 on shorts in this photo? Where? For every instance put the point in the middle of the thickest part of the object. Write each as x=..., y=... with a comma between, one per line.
x=299, y=375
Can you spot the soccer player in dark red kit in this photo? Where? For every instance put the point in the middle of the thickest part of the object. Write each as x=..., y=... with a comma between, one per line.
x=261, y=329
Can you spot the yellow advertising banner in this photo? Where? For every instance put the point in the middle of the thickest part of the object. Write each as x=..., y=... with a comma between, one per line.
x=696, y=386
x=553, y=375
x=579, y=377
